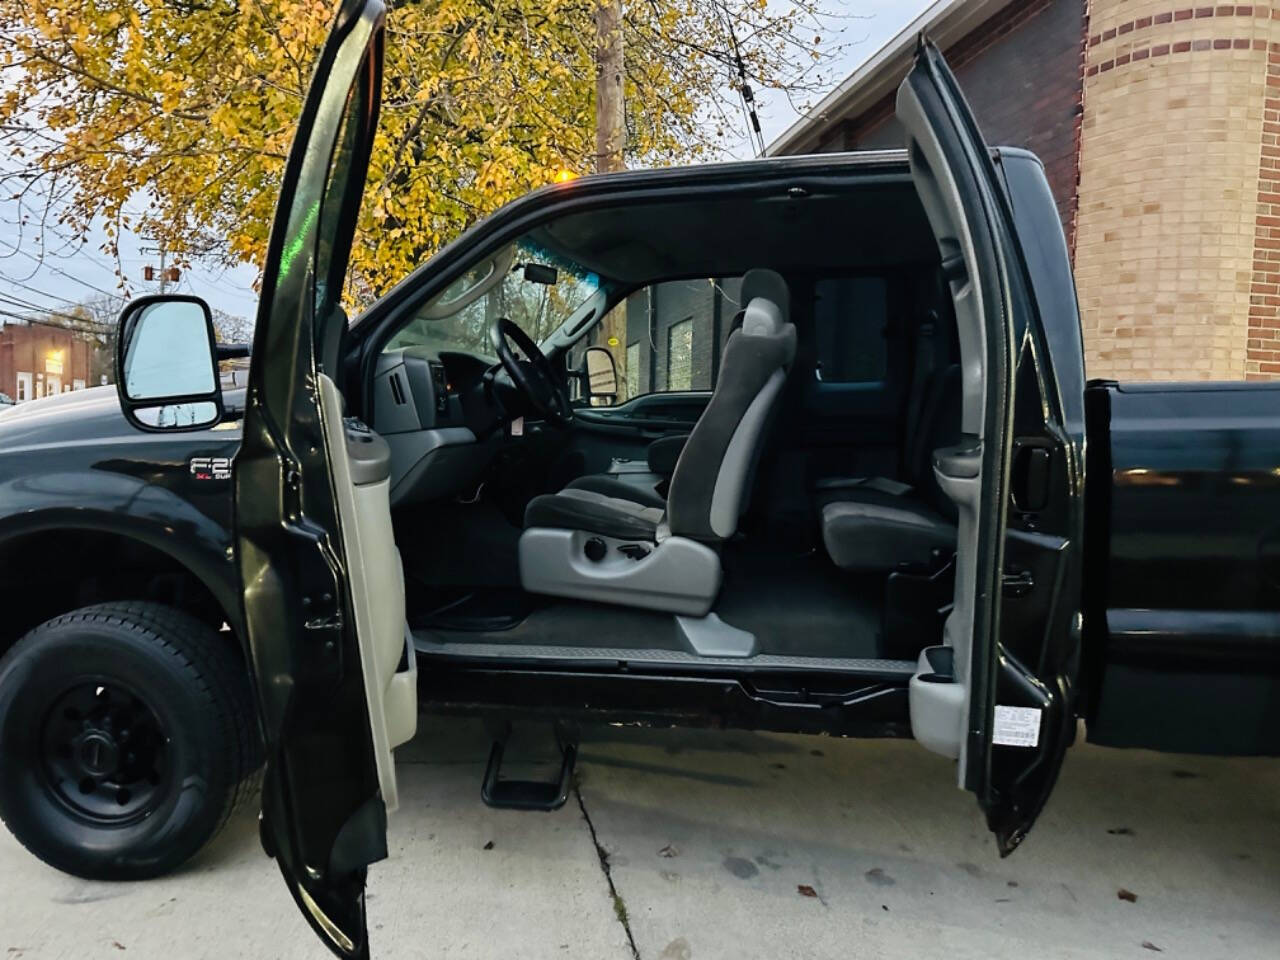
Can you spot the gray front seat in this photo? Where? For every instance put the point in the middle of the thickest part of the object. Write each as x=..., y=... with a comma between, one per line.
x=591, y=545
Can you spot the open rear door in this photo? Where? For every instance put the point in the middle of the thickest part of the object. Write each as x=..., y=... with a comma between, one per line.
x=997, y=695
x=323, y=587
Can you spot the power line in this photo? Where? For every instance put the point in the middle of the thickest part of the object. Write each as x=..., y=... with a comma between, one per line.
x=51, y=296
x=745, y=93
x=28, y=305
x=13, y=301
x=45, y=265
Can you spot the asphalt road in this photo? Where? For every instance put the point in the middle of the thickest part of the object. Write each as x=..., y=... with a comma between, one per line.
x=692, y=845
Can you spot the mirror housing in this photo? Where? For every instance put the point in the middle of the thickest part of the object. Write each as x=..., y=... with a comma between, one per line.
x=167, y=364
x=541, y=273
x=600, y=373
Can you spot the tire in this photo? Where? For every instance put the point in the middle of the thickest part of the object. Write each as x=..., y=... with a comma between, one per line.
x=127, y=737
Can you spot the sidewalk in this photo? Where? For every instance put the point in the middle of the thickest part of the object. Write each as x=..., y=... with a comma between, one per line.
x=736, y=846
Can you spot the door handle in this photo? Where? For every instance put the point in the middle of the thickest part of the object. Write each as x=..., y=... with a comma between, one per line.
x=1017, y=583
x=1030, y=480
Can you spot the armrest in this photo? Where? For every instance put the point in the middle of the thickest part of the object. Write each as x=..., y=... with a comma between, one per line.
x=664, y=453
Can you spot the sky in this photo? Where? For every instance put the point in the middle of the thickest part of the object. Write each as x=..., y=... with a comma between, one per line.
x=32, y=280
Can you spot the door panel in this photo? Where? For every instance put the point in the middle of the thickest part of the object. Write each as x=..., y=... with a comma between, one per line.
x=362, y=484
x=1014, y=630
x=604, y=434
x=323, y=595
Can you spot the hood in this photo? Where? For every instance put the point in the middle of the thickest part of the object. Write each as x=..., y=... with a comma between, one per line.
x=86, y=416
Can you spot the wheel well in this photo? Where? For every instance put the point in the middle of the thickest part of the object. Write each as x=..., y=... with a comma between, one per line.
x=50, y=572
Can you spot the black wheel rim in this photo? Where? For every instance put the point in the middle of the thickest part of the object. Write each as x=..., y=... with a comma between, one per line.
x=103, y=753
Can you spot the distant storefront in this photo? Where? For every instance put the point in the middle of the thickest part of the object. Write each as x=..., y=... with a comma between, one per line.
x=39, y=359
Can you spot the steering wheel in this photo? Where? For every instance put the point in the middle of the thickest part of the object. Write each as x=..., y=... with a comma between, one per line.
x=534, y=376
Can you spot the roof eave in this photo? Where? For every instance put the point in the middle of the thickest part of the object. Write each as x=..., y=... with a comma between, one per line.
x=944, y=21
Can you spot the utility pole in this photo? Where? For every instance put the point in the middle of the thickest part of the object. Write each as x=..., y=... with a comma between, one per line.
x=610, y=105
x=611, y=137
x=166, y=273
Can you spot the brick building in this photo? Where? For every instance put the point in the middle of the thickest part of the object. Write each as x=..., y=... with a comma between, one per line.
x=1159, y=127
x=674, y=332
x=39, y=359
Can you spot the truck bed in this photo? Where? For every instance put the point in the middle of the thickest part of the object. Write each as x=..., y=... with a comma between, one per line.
x=1183, y=566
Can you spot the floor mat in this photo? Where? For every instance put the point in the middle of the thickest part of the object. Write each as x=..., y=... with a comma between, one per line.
x=797, y=606
x=801, y=605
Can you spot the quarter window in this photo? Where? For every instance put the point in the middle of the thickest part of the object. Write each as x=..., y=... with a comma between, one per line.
x=680, y=355
x=851, y=319
x=633, y=369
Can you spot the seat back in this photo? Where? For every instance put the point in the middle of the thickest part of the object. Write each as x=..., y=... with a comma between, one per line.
x=711, y=485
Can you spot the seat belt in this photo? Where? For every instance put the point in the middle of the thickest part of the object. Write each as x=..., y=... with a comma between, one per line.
x=925, y=363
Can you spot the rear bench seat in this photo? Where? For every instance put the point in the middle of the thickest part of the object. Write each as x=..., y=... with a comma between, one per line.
x=877, y=524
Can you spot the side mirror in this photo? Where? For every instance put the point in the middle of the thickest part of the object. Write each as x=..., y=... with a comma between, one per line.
x=602, y=373
x=166, y=364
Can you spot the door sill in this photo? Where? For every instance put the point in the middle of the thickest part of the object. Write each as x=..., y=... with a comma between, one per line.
x=617, y=658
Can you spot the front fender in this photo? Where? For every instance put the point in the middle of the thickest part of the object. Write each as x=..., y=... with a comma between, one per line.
x=159, y=502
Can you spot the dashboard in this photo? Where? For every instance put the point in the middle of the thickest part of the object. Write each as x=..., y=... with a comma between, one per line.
x=431, y=410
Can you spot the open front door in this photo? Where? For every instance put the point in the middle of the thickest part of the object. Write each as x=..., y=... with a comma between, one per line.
x=323, y=588
x=998, y=693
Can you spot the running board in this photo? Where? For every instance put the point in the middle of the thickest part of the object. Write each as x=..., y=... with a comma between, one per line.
x=529, y=794
x=654, y=658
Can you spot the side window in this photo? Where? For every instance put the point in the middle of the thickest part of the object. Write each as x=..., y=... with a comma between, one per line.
x=680, y=355
x=340, y=202
x=851, y=321
x=667, y=336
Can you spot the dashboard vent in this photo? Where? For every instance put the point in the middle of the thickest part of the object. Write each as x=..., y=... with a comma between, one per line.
x=397, y=390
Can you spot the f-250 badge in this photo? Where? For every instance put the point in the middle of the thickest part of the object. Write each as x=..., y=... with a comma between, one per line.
x=211, y=468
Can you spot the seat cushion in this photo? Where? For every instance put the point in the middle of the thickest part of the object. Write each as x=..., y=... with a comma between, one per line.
x=576, y=509
x=615, y=489
x=880, y=531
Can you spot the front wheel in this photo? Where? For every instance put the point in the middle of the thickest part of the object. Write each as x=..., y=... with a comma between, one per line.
x=127, y=737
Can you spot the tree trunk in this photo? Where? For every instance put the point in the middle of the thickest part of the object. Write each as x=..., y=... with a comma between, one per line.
x=610, y=126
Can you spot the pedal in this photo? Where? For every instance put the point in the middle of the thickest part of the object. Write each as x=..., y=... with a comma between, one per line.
x=530, y=794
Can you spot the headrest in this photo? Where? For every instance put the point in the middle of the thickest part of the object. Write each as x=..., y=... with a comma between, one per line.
x=767, y=304
x=761, y=318
x=769, y=285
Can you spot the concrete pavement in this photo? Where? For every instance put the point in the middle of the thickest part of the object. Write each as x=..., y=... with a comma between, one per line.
x=705, y=844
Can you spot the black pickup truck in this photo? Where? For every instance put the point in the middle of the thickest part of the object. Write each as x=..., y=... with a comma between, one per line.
x=896, y=509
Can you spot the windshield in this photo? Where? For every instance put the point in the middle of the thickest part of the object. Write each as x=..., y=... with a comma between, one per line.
x=525, y=283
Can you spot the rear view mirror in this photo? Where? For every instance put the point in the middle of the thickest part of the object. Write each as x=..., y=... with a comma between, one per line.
x=541, y=273
x=166, y=364
x=602, y=373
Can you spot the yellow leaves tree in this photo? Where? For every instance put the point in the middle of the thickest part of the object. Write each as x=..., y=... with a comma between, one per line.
x=182, y=111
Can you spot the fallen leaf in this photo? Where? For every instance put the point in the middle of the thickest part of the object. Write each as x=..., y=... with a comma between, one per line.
x=1148, y=945
x=489, y=845
x=806, y=891
x=669, y=851
x=1127, y=895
